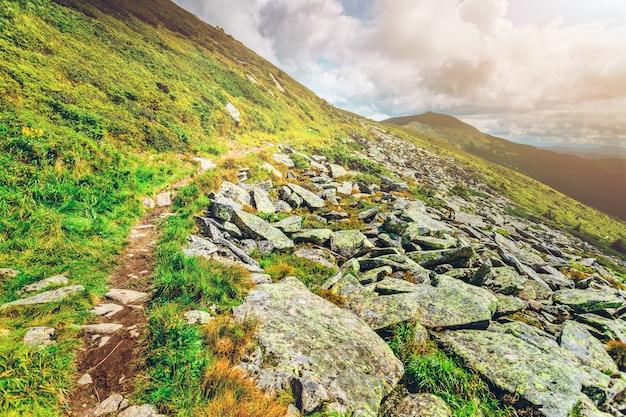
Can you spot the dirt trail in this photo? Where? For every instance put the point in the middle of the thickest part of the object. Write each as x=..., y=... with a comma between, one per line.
x=110, y=359
x=112, y=366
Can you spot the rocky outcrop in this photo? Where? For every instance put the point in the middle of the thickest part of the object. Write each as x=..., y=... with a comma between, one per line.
x=326, y=354
x=506, y=301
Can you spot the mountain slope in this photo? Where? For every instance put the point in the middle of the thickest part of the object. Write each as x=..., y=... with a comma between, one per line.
x=103, y=104
x=599, y=183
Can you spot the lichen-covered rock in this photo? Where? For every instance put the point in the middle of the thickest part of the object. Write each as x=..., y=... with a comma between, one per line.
x=262, y=201
x=436, y=308
x=255, y=227
x=587, y=301
x=52, y=296
x=422, y=405
x=548, y=380
x=325, y=352
x=586, y=348
x=315, y=236
x=311, y=200
x=40, y=285
x=291, y=224
x=431, y=258
x=349, y=243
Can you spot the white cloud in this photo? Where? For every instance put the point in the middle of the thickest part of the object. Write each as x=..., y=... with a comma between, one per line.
x=548, y=80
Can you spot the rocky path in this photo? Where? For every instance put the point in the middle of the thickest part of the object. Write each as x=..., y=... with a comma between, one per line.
x=106, y=363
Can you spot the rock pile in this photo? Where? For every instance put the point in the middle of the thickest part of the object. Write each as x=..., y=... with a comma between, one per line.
x=500, y=292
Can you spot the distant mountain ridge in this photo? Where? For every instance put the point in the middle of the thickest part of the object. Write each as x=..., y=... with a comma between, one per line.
x=597, y=182
x=591, y=153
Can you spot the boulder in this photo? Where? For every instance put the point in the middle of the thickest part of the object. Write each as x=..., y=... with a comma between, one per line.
x=586, y=348
x=222, y=210
x=546, y=379
x=374, y=275
x=255, y=227
x=456, y=257
x=316, y=255
x=291, y=224
x=315, y=236
x=345, y=188
x=283, y=159
x=349, y=243
x=326, y=354
x=262, y=201
x=311, y=200
x=53, y=296
x=234, y=113
x=448, y=307
x=586, y=301
x=235, y=193
x=337, y=171
x=198, y=246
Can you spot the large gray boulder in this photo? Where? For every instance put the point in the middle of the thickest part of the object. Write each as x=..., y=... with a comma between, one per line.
x=451, y=306
x=544, y=378
x=254, y=227
x=262, y=201
x=327, y=354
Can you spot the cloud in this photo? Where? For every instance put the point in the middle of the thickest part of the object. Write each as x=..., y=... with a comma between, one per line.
x=562, y=78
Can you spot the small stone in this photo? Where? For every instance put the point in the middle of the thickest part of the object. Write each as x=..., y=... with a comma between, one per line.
x=8, y=272
x=39, y=336
x=145, y=410
x=164, y=199
x=197, y=316
x=85, y=380
x=107, y=310
x=261, y=279
x=147, y=202
x=125, y=296
x=109, y=405
x=337, y=171
x=205, y=164
x=234, y=113
x=104, y=341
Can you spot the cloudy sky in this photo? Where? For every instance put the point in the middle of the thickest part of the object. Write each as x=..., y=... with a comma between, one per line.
x=533, y=71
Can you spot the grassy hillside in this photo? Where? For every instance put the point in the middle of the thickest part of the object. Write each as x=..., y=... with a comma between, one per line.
x=105, y=102
x=596, y=182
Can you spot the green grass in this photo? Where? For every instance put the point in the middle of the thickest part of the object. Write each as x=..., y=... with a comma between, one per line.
x=310, y=273
x=430, y=370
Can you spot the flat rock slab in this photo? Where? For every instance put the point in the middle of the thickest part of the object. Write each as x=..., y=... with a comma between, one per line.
x=44, y=283
x=125, y=296
x=254, y=227
x=310, y=199
x=435, y=308
x=107, y=310
x=52, y=296
x=544, y=378
x=587, y=301
x=586, y=348
x=164, y=199
x=329, y=352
